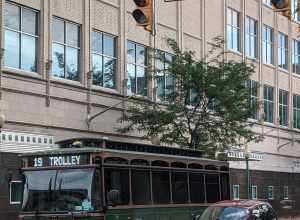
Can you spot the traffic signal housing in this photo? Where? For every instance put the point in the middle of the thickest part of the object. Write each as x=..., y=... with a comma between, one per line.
x=282, y=6
x=143, y=14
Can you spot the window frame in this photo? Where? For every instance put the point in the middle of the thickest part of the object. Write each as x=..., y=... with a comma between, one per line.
x=135, y=64
x=65, y=46
x=283, y=51
x=10, y=192
x=248, y=35
x=296, y=111
x=252, y=84
x=267, y=102
x=295, y=56
x=285, y=192
x=235, y=187
x=270, y=189
x=103, y=56
x=267, y=41
x=254, y=191
x=163, y=73
x=231, y=28
x=283, y=106
x=21, y=33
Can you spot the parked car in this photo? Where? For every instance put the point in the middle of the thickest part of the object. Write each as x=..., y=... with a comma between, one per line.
x=239, y=210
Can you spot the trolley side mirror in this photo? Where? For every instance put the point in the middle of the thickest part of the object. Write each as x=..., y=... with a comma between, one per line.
x=113, y=197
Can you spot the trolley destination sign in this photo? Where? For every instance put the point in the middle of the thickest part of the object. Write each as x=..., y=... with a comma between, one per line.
x=59, y=160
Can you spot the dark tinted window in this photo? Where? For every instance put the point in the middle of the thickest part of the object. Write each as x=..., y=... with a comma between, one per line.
x=212, y=187
x=118, y=179
x=179, y=187
x=161, y=187
x=140, y=186
x=197, y=188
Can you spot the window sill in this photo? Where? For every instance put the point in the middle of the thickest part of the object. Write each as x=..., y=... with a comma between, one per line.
x=296, y=75
x=269, y=65
x=15, y=203
x=253, y=59
x=234, y=52
x=66, y=81
x=283, y=70
x=20, y=72
x=106, y=90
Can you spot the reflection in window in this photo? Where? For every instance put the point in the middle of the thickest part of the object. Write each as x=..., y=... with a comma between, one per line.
x=161, y=187
x=254, y=192
x=295, y=10
x=251, y=37
x=269, y=104
x=233, y=30
x=282, y=51
x=65, y=49
x=104, y=60
x=118, y=179
x=179, y=187
x=296, y=56
x=136, y=69
x=21, y=37
x=283, y=107
x=268, y=44
x=60, y=190
x=296, y=111
x=165, y=81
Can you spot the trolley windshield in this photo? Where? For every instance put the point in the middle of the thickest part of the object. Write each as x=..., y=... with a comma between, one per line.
x=62, y=190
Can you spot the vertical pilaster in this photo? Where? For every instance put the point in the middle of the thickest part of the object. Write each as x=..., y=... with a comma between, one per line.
x=203, y=28
x=121, y=76
x=260, y=56
x=1, y=42
x=275, y=61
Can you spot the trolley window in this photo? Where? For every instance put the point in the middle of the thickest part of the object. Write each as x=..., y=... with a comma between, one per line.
x=61, y=190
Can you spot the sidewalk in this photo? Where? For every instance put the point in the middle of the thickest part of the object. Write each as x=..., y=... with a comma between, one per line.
x=285, y=218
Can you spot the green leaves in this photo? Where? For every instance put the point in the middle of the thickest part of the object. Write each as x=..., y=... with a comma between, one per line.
x=210, y=106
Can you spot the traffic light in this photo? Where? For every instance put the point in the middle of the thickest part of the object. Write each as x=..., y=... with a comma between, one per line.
x=143, y=14
x=282, y=6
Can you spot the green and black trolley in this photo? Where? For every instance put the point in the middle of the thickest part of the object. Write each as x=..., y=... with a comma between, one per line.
x=94, y=179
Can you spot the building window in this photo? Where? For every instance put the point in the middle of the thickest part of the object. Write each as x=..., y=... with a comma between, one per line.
x=251, y=37
x=165, y=82
x=268, y=2
x=254, y=192
x=267, y=44
x=21, y=37
x=233, y=30
x=65, y=49
x=295, y=11
x=104, y=59
x=236, y=192
x=270, y=192
x=285, y=192
x=16, y=192
x=296, y=56
x=283, y=107
x=296, y=111
x=282, y=51
x=253, y=87
x=268, y=104
x=136, y=69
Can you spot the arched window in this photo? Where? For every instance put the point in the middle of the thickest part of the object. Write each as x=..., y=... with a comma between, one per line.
x=115, y=160
x=178, y=165
x=211, y=167
x=140, y=162
x=195, y=166
x=159, y=163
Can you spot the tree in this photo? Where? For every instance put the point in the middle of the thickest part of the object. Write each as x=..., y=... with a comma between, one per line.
x=208, y=110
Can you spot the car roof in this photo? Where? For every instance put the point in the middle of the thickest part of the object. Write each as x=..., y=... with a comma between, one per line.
x=239, y=203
